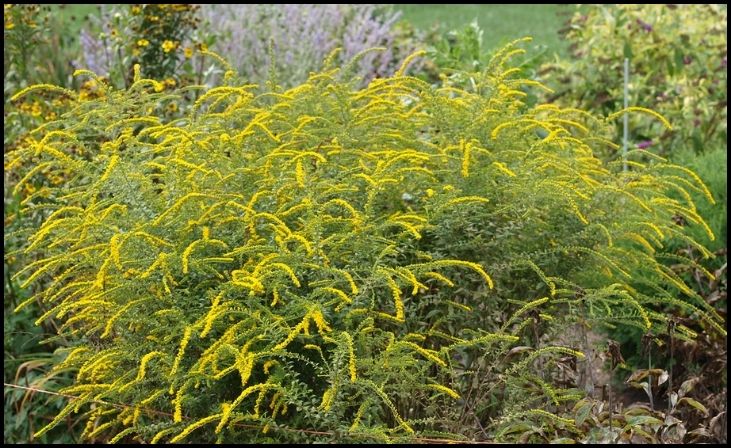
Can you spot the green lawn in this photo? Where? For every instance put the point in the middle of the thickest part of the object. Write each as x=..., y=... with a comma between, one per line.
x=500, y=23
x=74, y=18
x=75, y=15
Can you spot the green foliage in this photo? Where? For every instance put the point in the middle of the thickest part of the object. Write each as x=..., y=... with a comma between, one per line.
x=376, y=264
x=677, y=57
x=28, y=359
x=161, y=38
x=711, y=166
x=460, y=52
x=33, y=54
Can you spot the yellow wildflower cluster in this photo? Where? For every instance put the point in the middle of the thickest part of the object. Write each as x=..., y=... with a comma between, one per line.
x=257, y=248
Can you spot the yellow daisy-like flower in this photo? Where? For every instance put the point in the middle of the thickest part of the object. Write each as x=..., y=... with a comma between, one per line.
x=188, y=52
x=136, y=10
x=168, y=46
x=429, y=192
x=143, y=43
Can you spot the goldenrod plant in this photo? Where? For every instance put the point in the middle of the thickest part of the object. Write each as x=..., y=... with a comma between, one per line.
x=337, y=263
x=677, y=57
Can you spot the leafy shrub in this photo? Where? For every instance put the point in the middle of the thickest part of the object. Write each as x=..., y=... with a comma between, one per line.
x=381, y=263
x=678, y=57
x=712, y=167
x=161, y=38
x=301, y=36
x=33, y=54
x=459, y=52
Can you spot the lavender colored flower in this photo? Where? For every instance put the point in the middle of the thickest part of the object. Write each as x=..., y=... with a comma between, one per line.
x=96, y=54
x=644, y=144
x=302, y=36
x=723, y=62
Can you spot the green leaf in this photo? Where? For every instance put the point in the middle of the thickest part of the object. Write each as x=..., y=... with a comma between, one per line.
x=583, y=413
x=695, y=404
x=637, y=420
x=697, y=140
x=687, y=386
x=641, y=432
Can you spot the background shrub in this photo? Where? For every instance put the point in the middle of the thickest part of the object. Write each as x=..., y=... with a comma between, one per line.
x=161, y=38
x=301, y=36
x=678, y=68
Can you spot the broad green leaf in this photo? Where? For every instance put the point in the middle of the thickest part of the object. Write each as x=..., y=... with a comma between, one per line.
x=583, y=412
x=637, y=420
x=695, y=404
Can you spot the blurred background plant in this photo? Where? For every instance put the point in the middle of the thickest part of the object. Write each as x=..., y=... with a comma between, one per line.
x=677, y=56
x=34, y=53
x=161, y=38
x=302, y=36
x=459, y=55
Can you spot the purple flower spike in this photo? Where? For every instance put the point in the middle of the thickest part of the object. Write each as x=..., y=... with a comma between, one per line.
x=645, y=144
